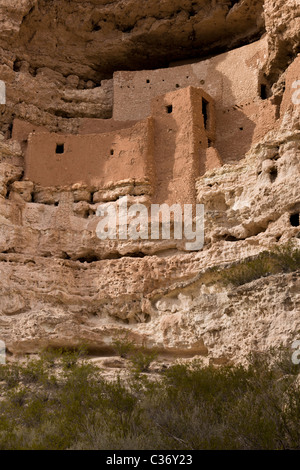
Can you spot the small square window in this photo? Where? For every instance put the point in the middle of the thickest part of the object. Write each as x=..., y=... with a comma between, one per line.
x=169, y=109
x=60, y=148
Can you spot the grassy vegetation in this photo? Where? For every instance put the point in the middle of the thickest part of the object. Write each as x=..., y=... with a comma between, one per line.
x=123, y=346
x=60, y=401
x=282, y=259
x=139, y=357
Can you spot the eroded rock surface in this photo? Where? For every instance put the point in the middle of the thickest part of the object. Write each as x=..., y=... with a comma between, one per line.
x=61, y=285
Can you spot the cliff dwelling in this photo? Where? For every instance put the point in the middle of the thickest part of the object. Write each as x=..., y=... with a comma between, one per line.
x=169, y=127
x=149, y=102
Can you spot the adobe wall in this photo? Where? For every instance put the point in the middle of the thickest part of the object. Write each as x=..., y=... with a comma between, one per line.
x=95, y=160
x=100, y=126
x=180, y=143
x=232, y=79
x=169, y=149
x=21, y=130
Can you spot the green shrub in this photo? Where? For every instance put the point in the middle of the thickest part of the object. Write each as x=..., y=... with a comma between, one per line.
x=282, y=259
x=248, y=270
x=123, y=346
x=34, y=372
x=286, y=258
x=10, y=374
x=189, y=407
x=142, y=359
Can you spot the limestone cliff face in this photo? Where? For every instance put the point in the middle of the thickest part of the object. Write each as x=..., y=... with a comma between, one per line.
x=283, y=27
x=52, y=52
x=92, y=39
x=61, y=286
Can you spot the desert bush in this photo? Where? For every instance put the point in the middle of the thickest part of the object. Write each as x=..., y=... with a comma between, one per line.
x=141, y=359
x=123, y=346
x=10, y=375
x=189, y=407
x=34, y=372
x=286, y=258
x=227, y=408
x=248, y=270
x=281, y=259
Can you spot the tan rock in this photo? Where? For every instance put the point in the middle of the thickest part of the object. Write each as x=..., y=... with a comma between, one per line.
x=61, y=285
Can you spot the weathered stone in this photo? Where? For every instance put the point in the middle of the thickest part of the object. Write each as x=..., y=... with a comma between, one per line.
x=60, y=284
x=24, y=189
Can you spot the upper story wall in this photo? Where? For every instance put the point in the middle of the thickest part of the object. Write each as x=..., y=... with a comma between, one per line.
x=234, y=80
x=230, y=78
x=102, y=126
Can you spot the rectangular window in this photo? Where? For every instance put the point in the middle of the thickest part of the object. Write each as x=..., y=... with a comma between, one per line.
x=60, y=148
x=205, y=112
